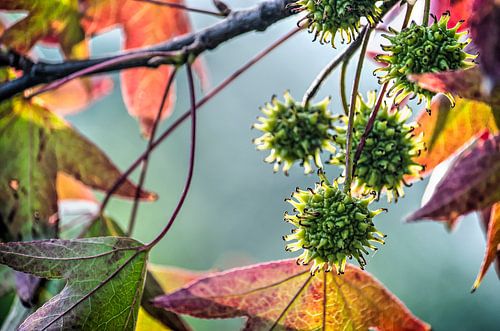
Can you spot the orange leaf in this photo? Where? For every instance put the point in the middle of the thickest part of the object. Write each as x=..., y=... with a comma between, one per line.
x=446, y=130
x=75, y=95
x=284, y=295
x=68, y=188
x=492, y=245
x=143, y=24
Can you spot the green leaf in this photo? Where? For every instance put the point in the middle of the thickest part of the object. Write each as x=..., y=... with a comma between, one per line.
x=35, y=145
x=105, y=279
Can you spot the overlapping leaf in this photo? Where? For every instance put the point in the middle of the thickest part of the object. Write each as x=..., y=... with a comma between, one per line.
x=35, y=145
x=470, y=184
x=492, y=244
x=447, y=129
x=462, y=83
x=143, y=24
x=105, y=278
x=283, y=295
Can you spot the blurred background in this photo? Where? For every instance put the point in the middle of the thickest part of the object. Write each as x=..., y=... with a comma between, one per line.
x=233, y=215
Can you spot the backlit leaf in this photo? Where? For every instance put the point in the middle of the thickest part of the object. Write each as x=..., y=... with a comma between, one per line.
x=462, y=83
x=446, y=130
x=36, y=144
x=283, y=295
x=55, y=19
x=105, y=278
x=143, y=24
x=492, y=244
x=470, y=184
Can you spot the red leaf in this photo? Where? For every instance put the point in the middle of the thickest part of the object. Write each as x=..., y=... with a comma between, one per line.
x=462, y=83
x=459, y=10
x=492, y=244
x=143, y=24
x=446, y=130
x=485, y=31
x=470, y=184
x=284, y=295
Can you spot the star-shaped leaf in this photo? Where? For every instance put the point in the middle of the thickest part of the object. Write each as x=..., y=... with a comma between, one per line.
x=285, y=296
x=35, y=145
x=105, y=278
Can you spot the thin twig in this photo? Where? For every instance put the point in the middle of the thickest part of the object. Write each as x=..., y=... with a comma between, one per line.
x=409, y=10
x=103, y=65
x=427, y=11
x=183, y=7
x=343, y=94
x=257, y=18
x=145, y=162
x=352, y=109
x=369, y=127
x=326, y=71
x=192, y=151
x=186, y=115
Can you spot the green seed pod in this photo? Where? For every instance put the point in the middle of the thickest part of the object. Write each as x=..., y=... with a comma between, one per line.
x=422, y=49
x=331, y=227
x=294, y=133
x=327, y=17
x=387, y=157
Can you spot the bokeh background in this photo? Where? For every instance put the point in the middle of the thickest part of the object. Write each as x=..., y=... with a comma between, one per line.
x=233, y=215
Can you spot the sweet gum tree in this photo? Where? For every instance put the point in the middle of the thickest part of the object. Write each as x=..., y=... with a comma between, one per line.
x=98, y=277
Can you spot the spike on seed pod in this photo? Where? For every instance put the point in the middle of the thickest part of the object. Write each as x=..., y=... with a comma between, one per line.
x=295, y=133
x=332, y=235
x=327, y=18
x=422, y=49
x=387, y=157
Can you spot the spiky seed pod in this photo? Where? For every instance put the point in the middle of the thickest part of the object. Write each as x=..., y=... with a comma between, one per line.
x=422, y=49
x=327, y=17
x=387, y=157
x=294, y=133
x=331, y=227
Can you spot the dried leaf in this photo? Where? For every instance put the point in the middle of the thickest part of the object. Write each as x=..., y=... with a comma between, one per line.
x=105, y=277
x=492, y=244
x=470, y=184
x=446, y=130
x=283, y=295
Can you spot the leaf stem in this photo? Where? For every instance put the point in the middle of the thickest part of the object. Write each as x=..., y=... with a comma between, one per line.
x=192, y=150
x=369, y=127
x=427, y=11
x=409, y=10
x=343, y=94
x=183, y=7
x=186, y=115
x=328, y=69
x=145, y=162
x=354, y=96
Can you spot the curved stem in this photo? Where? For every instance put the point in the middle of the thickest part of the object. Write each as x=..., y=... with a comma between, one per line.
x=192, y=150
x=369, y=127
x=354, y=95
x=328, y=69
x=186, y=115
x=427, y=11
x=183, y=7
x=145, y=162
x=409, y=10
x=343, y=94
